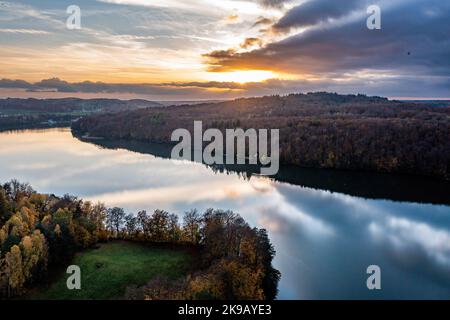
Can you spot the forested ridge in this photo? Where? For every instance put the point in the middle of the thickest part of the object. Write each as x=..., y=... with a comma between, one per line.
x=320, y=130
x=41, y=113
x=39, y=232
x=68, y=105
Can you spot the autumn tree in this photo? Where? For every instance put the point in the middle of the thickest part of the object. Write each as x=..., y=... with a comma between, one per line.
x=115, y=220
x=13, y=231
x=266, y=254
x=4, y=280
x=131, y=224
x=14, y=271
x=191, y=226
x=159, y=226
x=38, y=230
x=18, y=190
x=142, y=222
x=5, y=212
x=174, y=230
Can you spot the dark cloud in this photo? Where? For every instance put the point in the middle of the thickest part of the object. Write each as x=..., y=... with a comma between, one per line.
x=412, y=44
x=58, y=85
x=272, y=3
x=262, y=21
x=220, y=54
x=207, y=85
x=315, y=11
x=18, y=84
x=251, y=42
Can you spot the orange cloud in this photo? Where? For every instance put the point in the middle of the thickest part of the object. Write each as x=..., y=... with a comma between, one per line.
x=251, y=42
x=232, y=18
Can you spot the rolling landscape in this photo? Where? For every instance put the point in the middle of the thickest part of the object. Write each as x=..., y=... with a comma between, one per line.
x=172, y=260
x=45, y=113
x=203, y=158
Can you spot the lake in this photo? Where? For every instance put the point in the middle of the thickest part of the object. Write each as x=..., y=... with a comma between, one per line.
x=327, y=227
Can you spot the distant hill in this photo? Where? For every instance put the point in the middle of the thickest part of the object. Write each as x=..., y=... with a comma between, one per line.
x=68, y=105
x=179, y=102
x=321, y=130
x=43, y=113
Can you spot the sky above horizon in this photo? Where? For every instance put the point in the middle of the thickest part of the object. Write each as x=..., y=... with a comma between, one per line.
x=209, y=49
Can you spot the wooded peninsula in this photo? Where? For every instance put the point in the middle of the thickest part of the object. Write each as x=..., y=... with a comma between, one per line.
x=214, y=255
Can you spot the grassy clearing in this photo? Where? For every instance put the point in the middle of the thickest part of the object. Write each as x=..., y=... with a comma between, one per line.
x=108, y=270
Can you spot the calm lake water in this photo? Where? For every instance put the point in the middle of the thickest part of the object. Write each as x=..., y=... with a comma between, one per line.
x=324, y=240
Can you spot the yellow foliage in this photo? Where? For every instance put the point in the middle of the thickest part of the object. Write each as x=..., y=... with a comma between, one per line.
x=46, y=221
x=29, y=216
x=14, y=268
x=27, y=244
x=16, y=226
x=3, y=236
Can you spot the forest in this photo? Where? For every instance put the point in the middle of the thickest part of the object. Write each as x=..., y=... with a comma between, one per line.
x=68, y=105
x=39, y=233
x=42, y=113
x=317, y=130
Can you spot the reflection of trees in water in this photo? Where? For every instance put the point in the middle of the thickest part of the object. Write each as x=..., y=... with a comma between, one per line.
x=360, y=184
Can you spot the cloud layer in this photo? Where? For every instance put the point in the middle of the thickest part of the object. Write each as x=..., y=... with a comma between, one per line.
x=394, y=87
x=171, y=47
x=335, y=41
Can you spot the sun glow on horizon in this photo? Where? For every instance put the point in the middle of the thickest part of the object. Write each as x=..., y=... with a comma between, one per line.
x=242, y=76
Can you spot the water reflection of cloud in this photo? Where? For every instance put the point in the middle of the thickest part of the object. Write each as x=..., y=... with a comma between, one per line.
x=282, y=213
x=401, y=231
x=34, y=166
x=414, y=245
x=261, y=184
x=167, y=196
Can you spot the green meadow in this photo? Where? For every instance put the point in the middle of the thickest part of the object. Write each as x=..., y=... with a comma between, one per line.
x=107, y=271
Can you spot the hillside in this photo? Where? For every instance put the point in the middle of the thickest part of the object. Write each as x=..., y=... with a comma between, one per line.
x=69, y=105
x=319, y=130
x=42, y=113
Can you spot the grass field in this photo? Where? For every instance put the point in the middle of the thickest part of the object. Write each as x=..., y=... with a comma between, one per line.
x=108, y=270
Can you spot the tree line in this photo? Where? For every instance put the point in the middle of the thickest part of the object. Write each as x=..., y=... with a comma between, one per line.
x=318, y=130
x=39, y=232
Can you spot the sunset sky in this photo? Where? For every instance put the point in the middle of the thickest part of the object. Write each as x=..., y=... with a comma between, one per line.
x=217, y=49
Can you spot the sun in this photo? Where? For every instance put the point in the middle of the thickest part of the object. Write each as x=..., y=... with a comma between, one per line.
x=242, y=76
